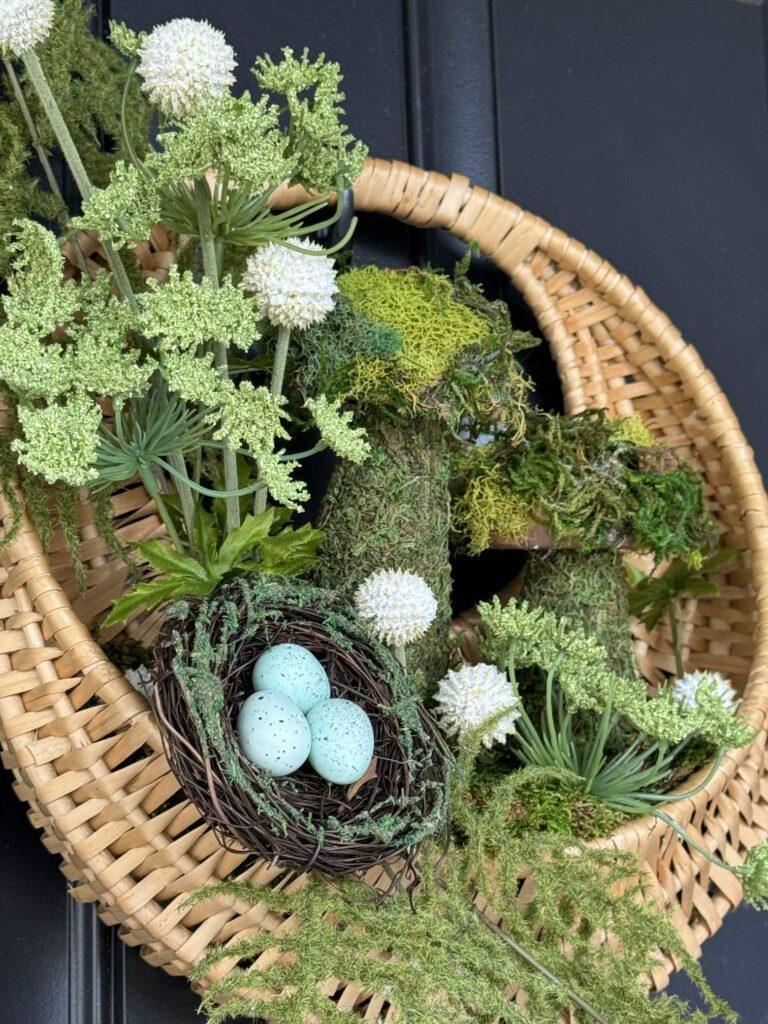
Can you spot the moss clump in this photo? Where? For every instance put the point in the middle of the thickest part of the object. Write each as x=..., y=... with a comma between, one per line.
x=393, y=512
x=588, y=589
x=590, y=481
x=326, y=355
x=420, y=306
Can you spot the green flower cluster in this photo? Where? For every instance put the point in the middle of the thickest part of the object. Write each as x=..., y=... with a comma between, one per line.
x=322, y=151
x=336, y=430
x=526, y=637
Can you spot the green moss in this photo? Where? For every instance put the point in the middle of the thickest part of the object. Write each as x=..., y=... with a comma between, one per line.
x=420, y=307
x=588, y=589
x=590, y=481
x=393, y=512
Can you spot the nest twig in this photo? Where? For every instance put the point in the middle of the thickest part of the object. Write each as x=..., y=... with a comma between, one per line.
x=302, y=821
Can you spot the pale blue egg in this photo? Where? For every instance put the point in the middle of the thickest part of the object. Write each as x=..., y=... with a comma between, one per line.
x=342, y=740
x=294, y=671
x=273, y=733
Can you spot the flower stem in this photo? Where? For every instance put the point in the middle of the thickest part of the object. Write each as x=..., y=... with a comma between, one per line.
x=399, y=652
x=276, y=388
x=71, y=155
x=42, y=156
x=152, y=488
x=211, y=268
x=185, y=497
x=736, y=869
x=674, y=630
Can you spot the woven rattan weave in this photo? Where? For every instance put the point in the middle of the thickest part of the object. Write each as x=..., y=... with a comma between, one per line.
x=86, y=752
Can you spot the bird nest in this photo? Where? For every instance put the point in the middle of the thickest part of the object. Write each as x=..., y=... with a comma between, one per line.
x=204, y=662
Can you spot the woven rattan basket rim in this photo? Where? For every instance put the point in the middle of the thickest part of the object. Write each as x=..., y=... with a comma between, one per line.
x=514, y=240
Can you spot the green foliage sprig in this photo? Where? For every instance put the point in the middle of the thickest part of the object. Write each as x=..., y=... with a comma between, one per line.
x=591, y=481
x=261, y=544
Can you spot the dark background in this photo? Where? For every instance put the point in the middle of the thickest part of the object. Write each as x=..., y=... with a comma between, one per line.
x=638, y=126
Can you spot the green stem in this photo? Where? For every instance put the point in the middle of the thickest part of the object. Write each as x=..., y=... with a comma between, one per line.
x=185, y=497
x=711, y=857
x=275, y=388
x=76, y=166
x=539, y=966
x=42, y=156
x=399, y=652
x=674, y=630
x=211, y=268
x=150, y=483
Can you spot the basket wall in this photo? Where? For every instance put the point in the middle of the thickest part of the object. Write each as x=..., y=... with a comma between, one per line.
x=87, y=755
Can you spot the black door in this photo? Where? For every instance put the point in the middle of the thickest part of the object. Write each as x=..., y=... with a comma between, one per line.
x=640, y=127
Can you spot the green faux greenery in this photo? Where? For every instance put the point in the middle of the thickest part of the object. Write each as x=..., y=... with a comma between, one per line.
x=591, y=481
x=588, y=588
x=655, y=595
x=261, y=544
x=515, y=636
x=89, y=79
x=445, y=961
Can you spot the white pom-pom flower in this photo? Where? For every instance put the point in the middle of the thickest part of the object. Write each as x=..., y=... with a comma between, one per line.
x=686, y=689
x=469, y=696
x=398, y=606
x=183, y=63
x=24, y=24
x=293, y=289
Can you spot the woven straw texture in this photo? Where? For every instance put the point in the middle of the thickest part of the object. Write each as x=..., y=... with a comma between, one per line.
x=87, y=755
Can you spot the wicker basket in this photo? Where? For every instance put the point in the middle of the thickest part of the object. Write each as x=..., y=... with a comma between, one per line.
x=87, y=755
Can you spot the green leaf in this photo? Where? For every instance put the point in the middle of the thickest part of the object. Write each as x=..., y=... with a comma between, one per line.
x=147, y=595
x=290, y=551
x=168, y=560
x=206, y=537
x=242, y=541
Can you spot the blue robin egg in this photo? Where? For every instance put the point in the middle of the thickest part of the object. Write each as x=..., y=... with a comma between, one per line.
x=293, y=671
x=342, y=741
x=273, y=733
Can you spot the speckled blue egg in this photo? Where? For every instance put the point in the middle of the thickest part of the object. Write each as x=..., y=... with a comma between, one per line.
x=342, y=740
x=293, y=671
x=273, y=733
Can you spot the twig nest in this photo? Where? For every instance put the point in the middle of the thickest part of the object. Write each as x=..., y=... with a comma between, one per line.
x=399, y=606
x=203, y=675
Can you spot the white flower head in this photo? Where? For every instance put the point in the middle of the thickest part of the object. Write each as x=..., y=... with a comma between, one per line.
x=183, y=63
x=686, y=689
x=398, y=606
x=293, y=289
x=24, y=24
x=474, y=694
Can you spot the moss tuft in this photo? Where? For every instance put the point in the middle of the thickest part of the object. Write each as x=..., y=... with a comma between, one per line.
x=588, y=589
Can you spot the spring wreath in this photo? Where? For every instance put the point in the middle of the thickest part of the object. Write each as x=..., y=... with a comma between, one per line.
x=372, y=805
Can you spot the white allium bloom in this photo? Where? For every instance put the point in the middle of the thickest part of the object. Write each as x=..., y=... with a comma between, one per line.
x=293, y=289
x=686, y=689
x=474, y=694
x=399, y=606
x=183, y=62
x=24, y=24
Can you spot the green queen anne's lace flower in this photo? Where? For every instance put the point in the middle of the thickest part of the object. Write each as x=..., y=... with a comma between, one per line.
x=336, y=430
x=59, y=441
x=125, y=210
x=183, y=314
